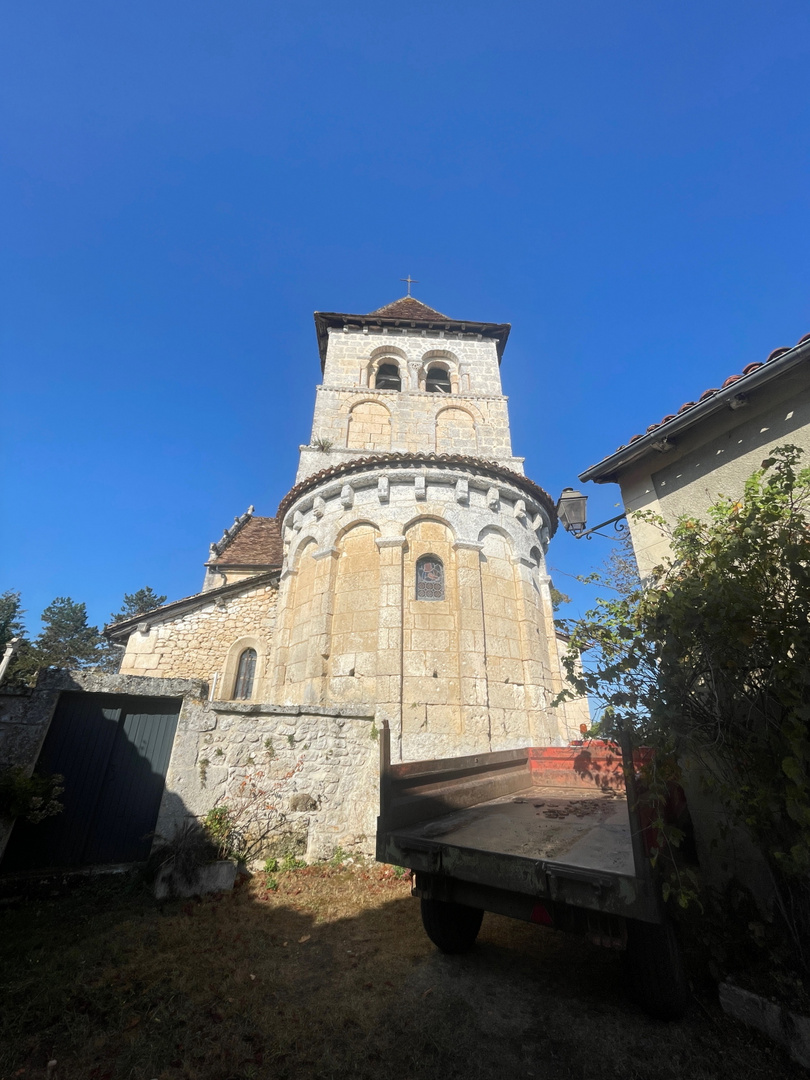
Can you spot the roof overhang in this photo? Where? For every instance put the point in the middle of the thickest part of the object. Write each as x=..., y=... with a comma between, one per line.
x=326, y=320
x=120, y=631
x=397, y=459
x=655, y=440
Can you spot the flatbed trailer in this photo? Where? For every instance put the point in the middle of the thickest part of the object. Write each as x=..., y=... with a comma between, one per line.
x=543, y=834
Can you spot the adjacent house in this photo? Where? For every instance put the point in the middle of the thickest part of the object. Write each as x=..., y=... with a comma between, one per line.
x=710, y=446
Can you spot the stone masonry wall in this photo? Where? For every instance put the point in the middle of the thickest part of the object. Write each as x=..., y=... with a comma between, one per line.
x=206, y=641
x=352, y=415
x=472, y=672
x=24, y=720
x=318, y=766
x=26, y=716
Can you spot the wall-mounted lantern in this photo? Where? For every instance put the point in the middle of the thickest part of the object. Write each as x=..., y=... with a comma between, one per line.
x=572, y=511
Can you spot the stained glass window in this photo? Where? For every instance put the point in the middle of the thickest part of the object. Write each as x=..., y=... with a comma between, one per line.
x=429, y=578
x=244, y=676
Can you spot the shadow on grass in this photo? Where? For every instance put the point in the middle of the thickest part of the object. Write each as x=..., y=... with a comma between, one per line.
x=329, y=975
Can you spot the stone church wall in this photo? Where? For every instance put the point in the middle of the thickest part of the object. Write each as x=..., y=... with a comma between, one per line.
x=207, y=640
x=353, y=416
x=476, y=670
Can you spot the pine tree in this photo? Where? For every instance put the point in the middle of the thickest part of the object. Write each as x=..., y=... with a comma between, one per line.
x=11, y=613
x=67, y=640
x=138, y=603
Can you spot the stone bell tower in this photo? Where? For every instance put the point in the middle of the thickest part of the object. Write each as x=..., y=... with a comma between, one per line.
x=414, y=572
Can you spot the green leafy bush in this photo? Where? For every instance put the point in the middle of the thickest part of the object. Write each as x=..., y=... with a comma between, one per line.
x=222, y=829
x=33, y=797
x=711, y=662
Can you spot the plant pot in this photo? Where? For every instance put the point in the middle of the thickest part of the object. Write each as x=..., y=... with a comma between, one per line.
x=208, y=878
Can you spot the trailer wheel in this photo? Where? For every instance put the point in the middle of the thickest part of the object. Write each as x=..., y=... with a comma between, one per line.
x=655, y=968
x=452, y=928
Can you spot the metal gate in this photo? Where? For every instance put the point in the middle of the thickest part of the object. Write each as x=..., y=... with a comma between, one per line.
x=113, y=752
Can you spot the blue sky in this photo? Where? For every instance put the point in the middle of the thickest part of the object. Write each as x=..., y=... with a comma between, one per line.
x=183, y=184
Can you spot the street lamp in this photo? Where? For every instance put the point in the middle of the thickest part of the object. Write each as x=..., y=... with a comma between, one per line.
x=571, y=510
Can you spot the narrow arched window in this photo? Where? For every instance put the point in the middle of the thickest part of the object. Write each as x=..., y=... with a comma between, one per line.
x=244, y=675
x=388, y=377
x=429, y=578
x=437, y=381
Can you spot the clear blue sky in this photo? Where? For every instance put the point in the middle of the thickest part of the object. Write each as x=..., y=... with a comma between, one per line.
x=183, y=184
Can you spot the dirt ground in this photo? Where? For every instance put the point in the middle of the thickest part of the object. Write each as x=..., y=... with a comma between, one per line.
x=327, y=975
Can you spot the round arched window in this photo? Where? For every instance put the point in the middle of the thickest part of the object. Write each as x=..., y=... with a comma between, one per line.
x=437, y=381
x=429, y=578
x=244, y=675
x=388, y=377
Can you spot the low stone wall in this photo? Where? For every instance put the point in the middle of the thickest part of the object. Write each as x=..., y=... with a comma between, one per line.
x=317, y=768
x=24, y=720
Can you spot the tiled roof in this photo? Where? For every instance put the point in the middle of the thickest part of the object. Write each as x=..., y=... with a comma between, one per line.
x=408, y=307
x=120, y=631
x=688, y=406
x=402, y=315
x=488, y=468
x=257, y=542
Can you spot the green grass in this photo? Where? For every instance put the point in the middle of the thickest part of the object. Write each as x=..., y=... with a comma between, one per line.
x=327, y=975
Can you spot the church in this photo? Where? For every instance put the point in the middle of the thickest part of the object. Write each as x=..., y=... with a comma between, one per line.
x=404, y=570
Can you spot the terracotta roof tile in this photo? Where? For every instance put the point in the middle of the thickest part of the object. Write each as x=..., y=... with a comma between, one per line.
x=257, y=543
x=747, y=370
x=488, y=468
x=408, y=307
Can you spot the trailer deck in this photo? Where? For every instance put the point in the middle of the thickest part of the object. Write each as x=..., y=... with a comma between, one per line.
x=544, y=834
x=587, y=831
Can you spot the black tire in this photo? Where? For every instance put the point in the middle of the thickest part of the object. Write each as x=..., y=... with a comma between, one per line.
x=655, y=969
x=452, y=928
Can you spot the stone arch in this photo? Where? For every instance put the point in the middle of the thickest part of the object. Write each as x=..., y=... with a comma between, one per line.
x=409, y=525
x=231, y=667
x=386, y=350
x=354, y=642
x=496, y=530
x=390, y=356
x=447, y=361
x=297, y=548
x=538, y=568
x=344, y=529
x=369, y=426
x=456, y=431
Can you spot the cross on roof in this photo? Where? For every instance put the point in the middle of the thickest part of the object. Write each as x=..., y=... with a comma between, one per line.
x=410, y=281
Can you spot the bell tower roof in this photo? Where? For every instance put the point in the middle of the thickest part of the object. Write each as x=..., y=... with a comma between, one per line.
x=408, y=307
x=404, y=315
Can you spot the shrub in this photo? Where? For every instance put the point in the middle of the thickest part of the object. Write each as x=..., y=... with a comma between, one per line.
x=711, y=662
x=33, y=797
